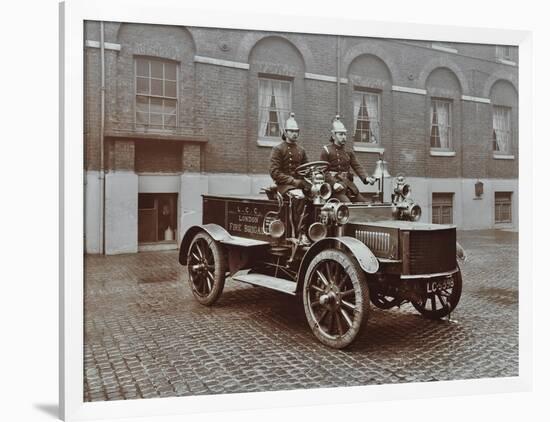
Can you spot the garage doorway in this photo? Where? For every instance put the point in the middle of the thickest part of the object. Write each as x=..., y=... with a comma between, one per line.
x=157, y=218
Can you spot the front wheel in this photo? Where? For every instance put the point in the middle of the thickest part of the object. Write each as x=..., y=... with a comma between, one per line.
x=441, y=296
x=207, y=267
x=336, y=298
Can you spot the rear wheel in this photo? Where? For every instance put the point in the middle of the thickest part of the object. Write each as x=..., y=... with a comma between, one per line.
x=207, y=268
x=336, y=298
x=441, y=297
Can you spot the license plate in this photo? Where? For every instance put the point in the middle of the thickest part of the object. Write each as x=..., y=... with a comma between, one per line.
x=439, y=285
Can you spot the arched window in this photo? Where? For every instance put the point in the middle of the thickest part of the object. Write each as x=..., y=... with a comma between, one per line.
x=504, y=100
x=279, y=87
x=444, y=92
x=371, y=83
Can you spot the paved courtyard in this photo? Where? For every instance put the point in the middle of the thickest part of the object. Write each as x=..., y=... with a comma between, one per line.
x=145, y=335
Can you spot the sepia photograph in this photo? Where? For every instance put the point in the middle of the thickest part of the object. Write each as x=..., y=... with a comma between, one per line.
x=270, y=211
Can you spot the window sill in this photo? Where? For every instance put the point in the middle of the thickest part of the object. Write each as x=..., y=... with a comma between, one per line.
x=442, y=153
x=266, y=142
x=508, y=62
x=503, y=156
x=504, y=225
x=444, y=48
x=368, y=148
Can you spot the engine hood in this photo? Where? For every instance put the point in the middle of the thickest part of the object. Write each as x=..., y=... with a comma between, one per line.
x=405, y=225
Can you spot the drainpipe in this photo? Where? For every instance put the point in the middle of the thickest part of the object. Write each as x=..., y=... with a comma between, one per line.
x=102, y=142
x=337, y=74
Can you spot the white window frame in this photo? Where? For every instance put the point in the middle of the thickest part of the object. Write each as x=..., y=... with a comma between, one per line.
x=504, y=52
x=441, y=200
x=508, y=202
x=369, y=142
x=509, y=131
x=433, y=103
x=265, y=140
x=148, y=126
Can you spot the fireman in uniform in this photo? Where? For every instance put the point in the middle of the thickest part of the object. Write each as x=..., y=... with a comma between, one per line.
x=285, y=157
x=341, y=162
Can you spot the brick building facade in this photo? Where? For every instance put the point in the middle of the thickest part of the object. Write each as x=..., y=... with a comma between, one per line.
x=189, y=110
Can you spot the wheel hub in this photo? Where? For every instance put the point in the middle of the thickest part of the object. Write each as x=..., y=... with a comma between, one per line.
x=200, y=267
x=331, y=298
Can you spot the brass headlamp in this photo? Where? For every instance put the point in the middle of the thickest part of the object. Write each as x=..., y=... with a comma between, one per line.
x=404, y=208
x=334, y=212
x=407, y=210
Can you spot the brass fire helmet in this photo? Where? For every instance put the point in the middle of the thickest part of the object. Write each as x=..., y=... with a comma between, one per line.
x=337, y=125
x=291, y=124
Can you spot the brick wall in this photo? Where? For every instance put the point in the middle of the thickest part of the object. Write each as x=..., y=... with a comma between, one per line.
x=158, y=157
x=411, y=148
x=220, y=102
x=123, y=155
x=92, y=109
x=476, y=139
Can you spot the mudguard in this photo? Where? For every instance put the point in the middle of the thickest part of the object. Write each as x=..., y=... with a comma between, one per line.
x=219, y=234
x=356, y=248
x=216, y=232
x=460, y=253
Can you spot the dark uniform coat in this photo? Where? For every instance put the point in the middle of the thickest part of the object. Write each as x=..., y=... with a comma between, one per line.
x=285, y=157
x=342, y=161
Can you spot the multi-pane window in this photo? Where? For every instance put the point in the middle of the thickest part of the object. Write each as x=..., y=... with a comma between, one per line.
x=503, y=207
x=442, y=208
x=504, y=52
x=441, y=124
x=274, y=104
x=366, y=113
x=156, y=93
x=502, y=129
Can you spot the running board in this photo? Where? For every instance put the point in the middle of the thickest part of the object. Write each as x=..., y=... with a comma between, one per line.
x=273, y=283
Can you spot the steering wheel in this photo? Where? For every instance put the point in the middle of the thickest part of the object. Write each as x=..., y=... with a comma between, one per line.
x=311, y=167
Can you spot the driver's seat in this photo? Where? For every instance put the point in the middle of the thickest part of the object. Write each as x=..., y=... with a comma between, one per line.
x=271, y=192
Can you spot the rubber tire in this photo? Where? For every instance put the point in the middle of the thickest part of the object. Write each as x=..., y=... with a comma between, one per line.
x=359, y=282
x=453, y=300
x=220, y=269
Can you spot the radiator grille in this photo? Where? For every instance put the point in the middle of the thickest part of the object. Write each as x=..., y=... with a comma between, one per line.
x=378, y=242
x=432, y=251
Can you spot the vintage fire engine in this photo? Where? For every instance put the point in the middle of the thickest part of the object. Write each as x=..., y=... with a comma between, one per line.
x=360, y=253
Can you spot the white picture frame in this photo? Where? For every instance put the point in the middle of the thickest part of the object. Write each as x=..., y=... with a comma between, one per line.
x=73, y=15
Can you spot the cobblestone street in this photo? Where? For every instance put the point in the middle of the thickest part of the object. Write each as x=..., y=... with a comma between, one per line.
x=146, y=336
